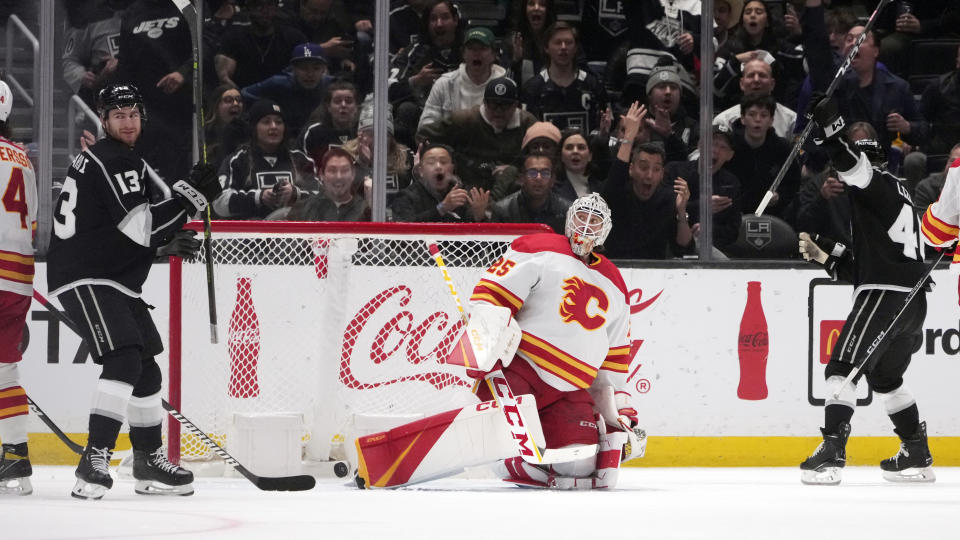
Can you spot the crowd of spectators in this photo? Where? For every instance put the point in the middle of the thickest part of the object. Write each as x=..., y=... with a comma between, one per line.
x=510, y=120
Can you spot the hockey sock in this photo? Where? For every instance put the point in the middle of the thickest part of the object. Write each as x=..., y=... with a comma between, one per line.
x=834, y=415
x=907, y=421
x=107, y=413
x=13, y=415
x=144, y=412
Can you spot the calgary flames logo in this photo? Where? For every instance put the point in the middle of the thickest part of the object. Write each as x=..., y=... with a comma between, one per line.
x=576, y=303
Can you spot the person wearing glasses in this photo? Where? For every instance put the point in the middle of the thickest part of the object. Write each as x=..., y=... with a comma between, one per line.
x=536, y=202
x=224, y=125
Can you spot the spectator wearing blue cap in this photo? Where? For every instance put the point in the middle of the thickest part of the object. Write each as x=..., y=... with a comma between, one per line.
x=299, y=90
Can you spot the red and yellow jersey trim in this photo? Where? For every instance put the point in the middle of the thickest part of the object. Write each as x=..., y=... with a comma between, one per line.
x=557, y=362
x=16, y=267
x=936, y=230
x=496, y=294
x=617, y=360
x=13, y=402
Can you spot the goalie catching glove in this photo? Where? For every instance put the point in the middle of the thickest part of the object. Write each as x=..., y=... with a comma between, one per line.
x=822, y=250
x=201, y=187
x=493, y=334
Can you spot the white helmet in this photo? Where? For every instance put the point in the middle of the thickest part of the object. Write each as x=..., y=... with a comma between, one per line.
x=586, y=236
x=6, y=101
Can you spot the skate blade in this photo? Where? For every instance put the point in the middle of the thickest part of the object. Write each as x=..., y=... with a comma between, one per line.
x=16, y=486
x=150, y=487
x=827, y=476
x=88, y=491
x=911, y=475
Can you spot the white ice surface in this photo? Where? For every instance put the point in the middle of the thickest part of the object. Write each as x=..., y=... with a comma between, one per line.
x=687, y=503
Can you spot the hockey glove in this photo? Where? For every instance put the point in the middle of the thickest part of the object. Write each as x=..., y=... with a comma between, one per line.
x=826, y=114
x=183, y=245
x=822, y=250
x=199, y=188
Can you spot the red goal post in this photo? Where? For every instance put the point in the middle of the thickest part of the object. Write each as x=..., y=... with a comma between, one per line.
x=326, y=320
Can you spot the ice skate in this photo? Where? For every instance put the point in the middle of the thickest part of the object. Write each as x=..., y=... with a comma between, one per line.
x=93, y=474
x=156, y=475
x=826, y=464
x=15, y=470
x=913, y=462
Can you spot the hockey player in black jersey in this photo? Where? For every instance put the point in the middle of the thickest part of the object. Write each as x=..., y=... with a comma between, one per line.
x=109, y=221
x=884, y=263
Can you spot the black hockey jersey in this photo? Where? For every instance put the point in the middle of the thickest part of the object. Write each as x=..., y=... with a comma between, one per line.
x=105, y=228
x=248, y=172
x=887, y=246
x=579, y=105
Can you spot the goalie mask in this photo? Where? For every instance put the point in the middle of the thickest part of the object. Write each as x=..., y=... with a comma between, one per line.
x=119, y=96
x=588, y=224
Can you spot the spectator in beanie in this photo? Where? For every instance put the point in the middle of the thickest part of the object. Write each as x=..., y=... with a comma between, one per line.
x=264, y=176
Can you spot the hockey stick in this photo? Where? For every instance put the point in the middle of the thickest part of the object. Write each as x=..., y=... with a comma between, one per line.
x=76, y=448
x=300, y=482
x=869, y=360
x=267, y=483
x=802, y=138
x=527, y=446
x=192, y=16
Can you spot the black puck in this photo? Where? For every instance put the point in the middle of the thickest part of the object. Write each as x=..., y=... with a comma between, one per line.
x=340, y=469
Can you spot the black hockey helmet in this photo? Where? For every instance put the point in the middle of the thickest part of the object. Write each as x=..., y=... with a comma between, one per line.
x=115, y=96
x=873, y=150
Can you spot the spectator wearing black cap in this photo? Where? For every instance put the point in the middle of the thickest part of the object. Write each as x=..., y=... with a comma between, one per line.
x=339, y=198
x=438, y=195
x=463, y=88
x=487, y=138
x=264, y=176
x=298, y=91
x=758, y=155
x=562, y=93
x=725, y=200
x=249, y=54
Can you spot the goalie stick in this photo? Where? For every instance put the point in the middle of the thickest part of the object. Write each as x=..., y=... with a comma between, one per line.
x=869, y=360
x=802, y=137
x=300, y=482
x=527, y=446
x=192, y=16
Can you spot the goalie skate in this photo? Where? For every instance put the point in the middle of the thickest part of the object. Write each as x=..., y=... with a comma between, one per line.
x=156, y=475
x=15, y=470
x=913, y=462
x=825, y=466
x=93, y=474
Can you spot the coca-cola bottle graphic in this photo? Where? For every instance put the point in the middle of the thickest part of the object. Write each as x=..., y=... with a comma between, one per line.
x=244, y=344
x=752, y=347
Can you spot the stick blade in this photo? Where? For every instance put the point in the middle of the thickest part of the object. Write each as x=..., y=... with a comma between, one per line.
x=303, y=482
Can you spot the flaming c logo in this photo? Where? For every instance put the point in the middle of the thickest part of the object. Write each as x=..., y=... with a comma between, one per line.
x=576, y=303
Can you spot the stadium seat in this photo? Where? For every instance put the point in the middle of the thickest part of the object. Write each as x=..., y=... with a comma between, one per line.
x=764, y=237
x=932, y=57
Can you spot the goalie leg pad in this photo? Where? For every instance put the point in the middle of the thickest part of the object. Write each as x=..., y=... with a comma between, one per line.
x=439, y=446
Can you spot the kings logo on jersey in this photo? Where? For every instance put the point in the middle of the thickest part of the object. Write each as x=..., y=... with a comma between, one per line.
x=576, y=306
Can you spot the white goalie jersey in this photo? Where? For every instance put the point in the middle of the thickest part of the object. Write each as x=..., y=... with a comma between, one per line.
x=18, y=189
x=941, y=221
x=574, y=317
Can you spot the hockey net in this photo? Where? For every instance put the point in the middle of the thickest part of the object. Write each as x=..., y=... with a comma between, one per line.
x=325, y=320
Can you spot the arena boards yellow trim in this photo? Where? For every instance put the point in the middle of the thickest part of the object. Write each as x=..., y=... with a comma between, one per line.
x=46, y=449
x=777, y=451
